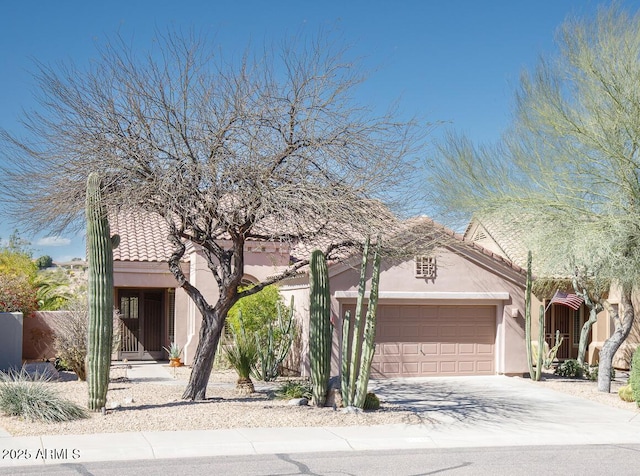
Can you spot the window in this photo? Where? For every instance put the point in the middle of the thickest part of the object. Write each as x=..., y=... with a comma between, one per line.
x=425, y=267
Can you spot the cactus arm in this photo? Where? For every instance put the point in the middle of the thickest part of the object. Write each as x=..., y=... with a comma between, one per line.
x=100, y=254
x=344, y=364
x=356, y=340
x=527, y=317
x=368, y=341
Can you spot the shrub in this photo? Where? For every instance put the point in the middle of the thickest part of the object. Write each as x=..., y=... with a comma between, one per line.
x=294, y=389
x=371, y=402
x=17, y=294
x=242, y=354
x=570, y=368
x=592, y=372
x=71, y=331
x=626, y=393
x=258, y=311
x=17, y=274
x=32, y=399
x=634, y=376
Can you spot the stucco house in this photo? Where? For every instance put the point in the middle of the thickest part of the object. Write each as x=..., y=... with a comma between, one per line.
x=456, y=311
x=496, y=236
x=154, y=311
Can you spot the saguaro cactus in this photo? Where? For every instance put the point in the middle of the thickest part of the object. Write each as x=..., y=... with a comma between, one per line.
x=100, y=255
x=320, y=328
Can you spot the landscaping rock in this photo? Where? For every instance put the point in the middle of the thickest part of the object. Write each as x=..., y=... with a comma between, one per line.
x=334, y=394
x=301, y=402
x=38, y=369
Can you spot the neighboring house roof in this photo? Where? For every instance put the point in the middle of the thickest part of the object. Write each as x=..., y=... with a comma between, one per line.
x=461, y=240
x=493, y=232
x=143, y=237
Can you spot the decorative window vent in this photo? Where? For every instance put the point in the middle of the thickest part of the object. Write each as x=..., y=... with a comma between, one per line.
x=480, y=235
x=425, y=266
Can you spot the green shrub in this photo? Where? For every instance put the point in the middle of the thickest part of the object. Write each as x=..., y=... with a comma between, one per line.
x=634, y=376
x=242, y=352
x=294, y=389
x=626, y=393
x=371, y=402
x=570, y=368
x=591, y=372
x=30, y=398
x=256, y=311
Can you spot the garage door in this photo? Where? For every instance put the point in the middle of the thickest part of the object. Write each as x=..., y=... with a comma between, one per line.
x=425, y=341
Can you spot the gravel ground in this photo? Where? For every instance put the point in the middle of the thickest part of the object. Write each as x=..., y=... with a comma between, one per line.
x=158, y=407
x=589, y=390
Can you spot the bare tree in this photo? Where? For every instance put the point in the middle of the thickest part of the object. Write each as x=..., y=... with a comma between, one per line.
x=566, y=175
x=262, y=147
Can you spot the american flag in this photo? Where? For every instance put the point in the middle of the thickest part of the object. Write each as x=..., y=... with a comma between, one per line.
x=571, y=300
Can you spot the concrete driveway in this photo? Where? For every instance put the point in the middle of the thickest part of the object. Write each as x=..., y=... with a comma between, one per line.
x=509, y=410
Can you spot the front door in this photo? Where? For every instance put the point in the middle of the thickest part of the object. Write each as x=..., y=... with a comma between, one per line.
x=569, y=324
x=142, y=315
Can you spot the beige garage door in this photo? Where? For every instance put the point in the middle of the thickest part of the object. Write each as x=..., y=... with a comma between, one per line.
x=425, y=341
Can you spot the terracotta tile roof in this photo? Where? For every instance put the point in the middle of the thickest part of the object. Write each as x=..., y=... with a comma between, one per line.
x=506, y=237
x=143, y=237
x=462, y=240
x=410, y=232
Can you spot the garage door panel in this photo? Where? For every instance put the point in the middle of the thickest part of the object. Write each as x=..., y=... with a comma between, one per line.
x=429, y=349
x=429, y=333
x=466, y=367
x=448, y=348
x=484, y=349
x=485, y=367
x=466, y=348
x=448, y=367
x=429, y=368
x=410, y=349
x=390, y=349
x=409, y=331
x=435, y=340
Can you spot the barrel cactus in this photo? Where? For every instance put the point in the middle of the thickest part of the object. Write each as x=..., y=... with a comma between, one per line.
x=320, y=327
x=100, y=246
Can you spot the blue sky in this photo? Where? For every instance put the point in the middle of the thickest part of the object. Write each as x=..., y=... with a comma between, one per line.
x=455, y=61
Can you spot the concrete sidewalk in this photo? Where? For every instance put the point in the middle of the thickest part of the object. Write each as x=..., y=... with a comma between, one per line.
x=471, y=412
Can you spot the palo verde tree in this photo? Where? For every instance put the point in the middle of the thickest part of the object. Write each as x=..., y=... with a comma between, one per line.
x=226, y=149
x=566, y=173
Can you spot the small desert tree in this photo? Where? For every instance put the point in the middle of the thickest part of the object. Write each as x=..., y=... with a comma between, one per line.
x=566, y=174
x=269, y=147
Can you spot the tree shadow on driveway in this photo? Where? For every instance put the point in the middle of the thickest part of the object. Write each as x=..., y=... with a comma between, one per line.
x=460, y=400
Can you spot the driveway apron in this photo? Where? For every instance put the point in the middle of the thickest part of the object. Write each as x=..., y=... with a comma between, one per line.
x=508, y=410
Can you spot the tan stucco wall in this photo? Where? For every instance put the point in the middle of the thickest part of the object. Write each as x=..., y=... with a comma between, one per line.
x=259, y=265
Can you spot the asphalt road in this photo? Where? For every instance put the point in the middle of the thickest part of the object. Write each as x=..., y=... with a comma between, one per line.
x=619, y=460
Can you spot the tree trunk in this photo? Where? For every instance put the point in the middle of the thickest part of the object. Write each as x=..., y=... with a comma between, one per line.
x=210, y=332
x=584, y=334
x=613, y=343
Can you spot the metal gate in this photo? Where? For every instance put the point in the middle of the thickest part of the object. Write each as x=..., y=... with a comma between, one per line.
x=142, y=329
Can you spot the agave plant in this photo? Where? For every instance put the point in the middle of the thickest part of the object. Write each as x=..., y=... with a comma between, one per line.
x=30, y=398
x=174, y=351
x=242, y=354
